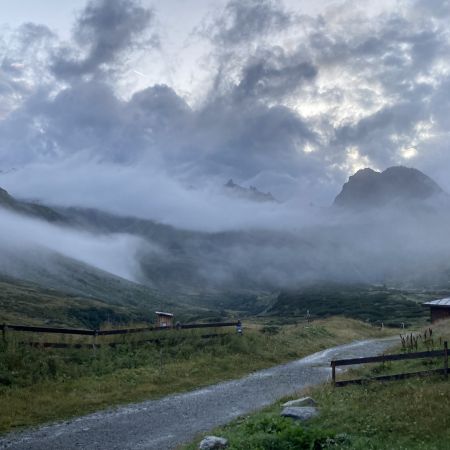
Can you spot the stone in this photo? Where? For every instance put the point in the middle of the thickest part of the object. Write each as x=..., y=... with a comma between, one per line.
x=213, y=443
x=300, y=413
x=304, y=401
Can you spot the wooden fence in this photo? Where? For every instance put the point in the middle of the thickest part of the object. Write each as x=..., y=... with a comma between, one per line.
x=384, y=358
x=6, y=328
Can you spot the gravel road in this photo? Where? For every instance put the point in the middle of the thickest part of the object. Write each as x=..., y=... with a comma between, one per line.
x=165, y=423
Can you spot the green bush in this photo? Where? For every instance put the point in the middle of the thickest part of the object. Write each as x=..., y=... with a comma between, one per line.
x=269, y=432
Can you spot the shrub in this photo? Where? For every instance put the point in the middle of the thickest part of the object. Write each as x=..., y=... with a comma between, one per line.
x=279, y=433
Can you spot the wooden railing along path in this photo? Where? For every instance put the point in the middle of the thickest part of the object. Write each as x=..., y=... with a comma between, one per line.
x=384, y=358
x=5, y=328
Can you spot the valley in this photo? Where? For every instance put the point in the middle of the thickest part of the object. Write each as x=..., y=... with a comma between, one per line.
x=345, y=276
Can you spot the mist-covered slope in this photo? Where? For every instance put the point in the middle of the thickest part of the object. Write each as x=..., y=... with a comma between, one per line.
x=135, y=261
x=397, y=235
x=32, y=209
x=92, y=266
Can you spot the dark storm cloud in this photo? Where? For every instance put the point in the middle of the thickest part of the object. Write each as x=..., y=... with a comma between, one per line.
x=103, y=31
x=234, y=133
x=246, y=138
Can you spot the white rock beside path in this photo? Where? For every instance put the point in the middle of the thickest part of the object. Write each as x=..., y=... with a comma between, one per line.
x=304, y=401
x=213, y=443
x=300, y=413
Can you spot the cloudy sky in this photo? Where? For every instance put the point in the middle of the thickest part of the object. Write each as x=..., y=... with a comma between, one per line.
x=148, y=108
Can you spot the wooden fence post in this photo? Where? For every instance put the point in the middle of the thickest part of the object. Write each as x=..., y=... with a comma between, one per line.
x=4, y=332
x=446, y=360
x=94, y=339
x=333, y=372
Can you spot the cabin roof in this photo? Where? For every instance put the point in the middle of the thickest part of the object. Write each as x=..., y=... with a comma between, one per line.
x=444, y=302
x=165, y=314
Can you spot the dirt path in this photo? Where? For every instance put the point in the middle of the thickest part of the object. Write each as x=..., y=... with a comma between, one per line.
x=165, y=423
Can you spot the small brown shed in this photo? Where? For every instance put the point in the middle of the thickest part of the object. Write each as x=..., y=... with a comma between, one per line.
x=439, y=309
x=164, y=319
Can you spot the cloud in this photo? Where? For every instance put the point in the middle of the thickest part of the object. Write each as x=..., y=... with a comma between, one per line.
x=243, y=21
x=103, y=32
x=24, y=53
x=304, y=100
x=24, y=240
x=151, y=194
x=273, y=75
x=293, y=104
x=437, y=8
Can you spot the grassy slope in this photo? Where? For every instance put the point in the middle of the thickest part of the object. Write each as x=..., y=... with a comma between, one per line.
x=363, y=302
x=29, y=304
x=40, y=386
x=400, y=415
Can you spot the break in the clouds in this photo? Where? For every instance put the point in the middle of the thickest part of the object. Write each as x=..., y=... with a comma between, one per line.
x=292, y=102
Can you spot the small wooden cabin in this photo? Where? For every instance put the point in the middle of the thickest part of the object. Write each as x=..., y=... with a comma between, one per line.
x=164, y=319
x=439, y=309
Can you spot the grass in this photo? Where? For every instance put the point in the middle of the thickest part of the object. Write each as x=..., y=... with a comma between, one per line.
x=374, y=304
x=38, y=386
x=29, y=304
x=410, y=414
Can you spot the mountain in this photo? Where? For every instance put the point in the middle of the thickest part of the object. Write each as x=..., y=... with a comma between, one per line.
x=396, y=185
x=201, y=273
x=251, y=193
x=28, y=208
x=68, y=290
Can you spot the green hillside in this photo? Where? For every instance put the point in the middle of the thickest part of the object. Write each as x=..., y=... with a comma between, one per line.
x=29, y=304
x=374, y=304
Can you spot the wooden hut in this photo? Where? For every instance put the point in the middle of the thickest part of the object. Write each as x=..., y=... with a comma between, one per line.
x=164, y=319
x=439, y=309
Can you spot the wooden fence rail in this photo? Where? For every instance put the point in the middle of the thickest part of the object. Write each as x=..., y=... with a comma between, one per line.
x=60, y=345
x=384, y=358
x=94, y=333
x=26, y=328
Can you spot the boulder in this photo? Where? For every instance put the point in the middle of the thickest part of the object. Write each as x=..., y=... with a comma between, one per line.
x=304, y=401
x=213, y=443
x=300, y=413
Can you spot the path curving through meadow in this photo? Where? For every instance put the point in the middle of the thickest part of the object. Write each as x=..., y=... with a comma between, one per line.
x=170, y=421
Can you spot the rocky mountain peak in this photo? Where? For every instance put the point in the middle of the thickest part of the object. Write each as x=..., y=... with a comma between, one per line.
x=368, y=188
x=251, y=193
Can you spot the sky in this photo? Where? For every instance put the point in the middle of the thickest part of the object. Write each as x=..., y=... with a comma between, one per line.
x=148, y=108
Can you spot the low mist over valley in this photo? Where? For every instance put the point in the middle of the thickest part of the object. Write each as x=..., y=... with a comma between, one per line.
x=383, y=228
